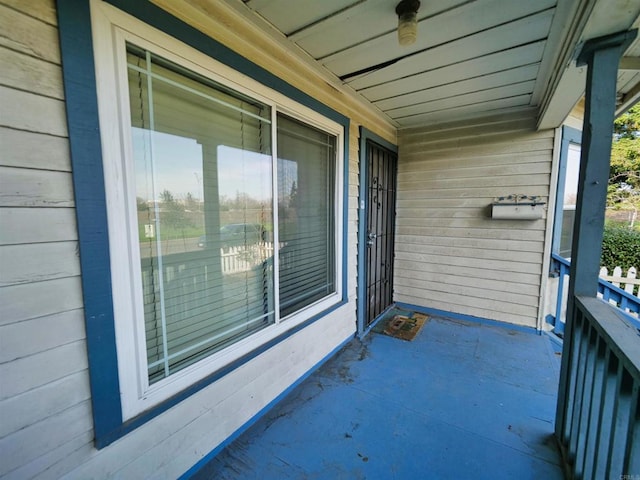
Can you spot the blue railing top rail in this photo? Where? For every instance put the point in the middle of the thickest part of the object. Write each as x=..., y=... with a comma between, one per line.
x=618, y=334
x=609, y=292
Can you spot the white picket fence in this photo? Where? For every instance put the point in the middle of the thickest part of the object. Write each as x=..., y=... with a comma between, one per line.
x=244, y=258
x=629, y=282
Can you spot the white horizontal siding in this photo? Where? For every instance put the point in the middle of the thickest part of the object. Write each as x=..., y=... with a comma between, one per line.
x=450, y=254
x=44, y=396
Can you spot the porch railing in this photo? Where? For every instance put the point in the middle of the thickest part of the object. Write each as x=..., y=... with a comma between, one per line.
x=599, y=414
x=625, y=301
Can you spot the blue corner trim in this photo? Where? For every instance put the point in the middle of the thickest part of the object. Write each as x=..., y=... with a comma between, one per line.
x=468, y=318
x=253, y=420
x=74, y=25
x=76, y=44
x=365, y=136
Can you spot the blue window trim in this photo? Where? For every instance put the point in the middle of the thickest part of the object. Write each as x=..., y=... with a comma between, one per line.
x=569, y=135
x=76, y=44
x=365, y=135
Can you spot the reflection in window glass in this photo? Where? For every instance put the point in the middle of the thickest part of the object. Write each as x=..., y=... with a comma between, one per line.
x=203, y=183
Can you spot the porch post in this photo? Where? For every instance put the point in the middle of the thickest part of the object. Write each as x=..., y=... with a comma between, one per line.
x=602, y=56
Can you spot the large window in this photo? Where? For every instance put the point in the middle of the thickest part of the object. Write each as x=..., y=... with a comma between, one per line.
x=225, y=215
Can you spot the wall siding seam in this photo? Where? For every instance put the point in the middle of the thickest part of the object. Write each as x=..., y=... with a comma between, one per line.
x=28, y=12
x=35, y=24
x=486, y=138
x=26, y=130
x=30, y=91
x=38, y=317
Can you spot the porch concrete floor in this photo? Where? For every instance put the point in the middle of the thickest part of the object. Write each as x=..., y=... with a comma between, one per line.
x=462, y=401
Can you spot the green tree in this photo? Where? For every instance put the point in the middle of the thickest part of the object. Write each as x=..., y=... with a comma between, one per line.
x=172, y=213
x=624, y=174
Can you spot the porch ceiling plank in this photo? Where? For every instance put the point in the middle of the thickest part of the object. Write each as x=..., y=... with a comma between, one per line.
x=627, y=79
x=498, y=79
x=629, y=99
x=353, y=15
x=291, y=15
x=485, y=95
x=476, y=17
x=466, y=111
x=365, y=22
x=464, y=47
x=494, y=42
x=630, y=63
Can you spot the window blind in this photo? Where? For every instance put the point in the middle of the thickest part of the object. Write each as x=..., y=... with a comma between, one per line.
x=202, y=157
x=306, y=211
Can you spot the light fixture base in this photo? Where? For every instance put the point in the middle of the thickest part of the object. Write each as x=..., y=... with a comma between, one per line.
x=407, y=11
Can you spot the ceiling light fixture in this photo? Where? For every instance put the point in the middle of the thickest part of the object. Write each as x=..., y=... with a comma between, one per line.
x=407, y=11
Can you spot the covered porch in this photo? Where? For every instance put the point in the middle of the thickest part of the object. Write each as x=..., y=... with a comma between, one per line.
x=463, y=400
x=469, y=115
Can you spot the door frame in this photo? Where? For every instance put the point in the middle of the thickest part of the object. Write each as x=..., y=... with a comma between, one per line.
x=363, y=208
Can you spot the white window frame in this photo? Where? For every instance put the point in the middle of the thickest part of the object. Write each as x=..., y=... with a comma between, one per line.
x=111, y=29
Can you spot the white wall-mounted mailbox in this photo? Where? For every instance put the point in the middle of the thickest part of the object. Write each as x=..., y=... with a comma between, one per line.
x=517, y=207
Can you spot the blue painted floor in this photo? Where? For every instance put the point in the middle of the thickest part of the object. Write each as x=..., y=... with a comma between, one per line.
x=462, y=401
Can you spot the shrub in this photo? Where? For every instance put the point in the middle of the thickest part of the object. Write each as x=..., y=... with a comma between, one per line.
x=620, y=247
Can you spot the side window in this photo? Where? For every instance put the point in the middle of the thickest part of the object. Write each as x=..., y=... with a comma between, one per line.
x=567, y=191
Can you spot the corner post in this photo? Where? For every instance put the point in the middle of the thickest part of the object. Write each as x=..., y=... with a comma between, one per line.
x=602, y=56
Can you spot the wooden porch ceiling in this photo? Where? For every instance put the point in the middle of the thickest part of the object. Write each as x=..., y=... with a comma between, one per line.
x=472, y=57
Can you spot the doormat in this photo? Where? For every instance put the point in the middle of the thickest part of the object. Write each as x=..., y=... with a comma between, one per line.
x=403, y=326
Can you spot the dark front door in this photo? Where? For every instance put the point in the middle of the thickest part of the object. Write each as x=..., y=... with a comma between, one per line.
x=381, y=208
